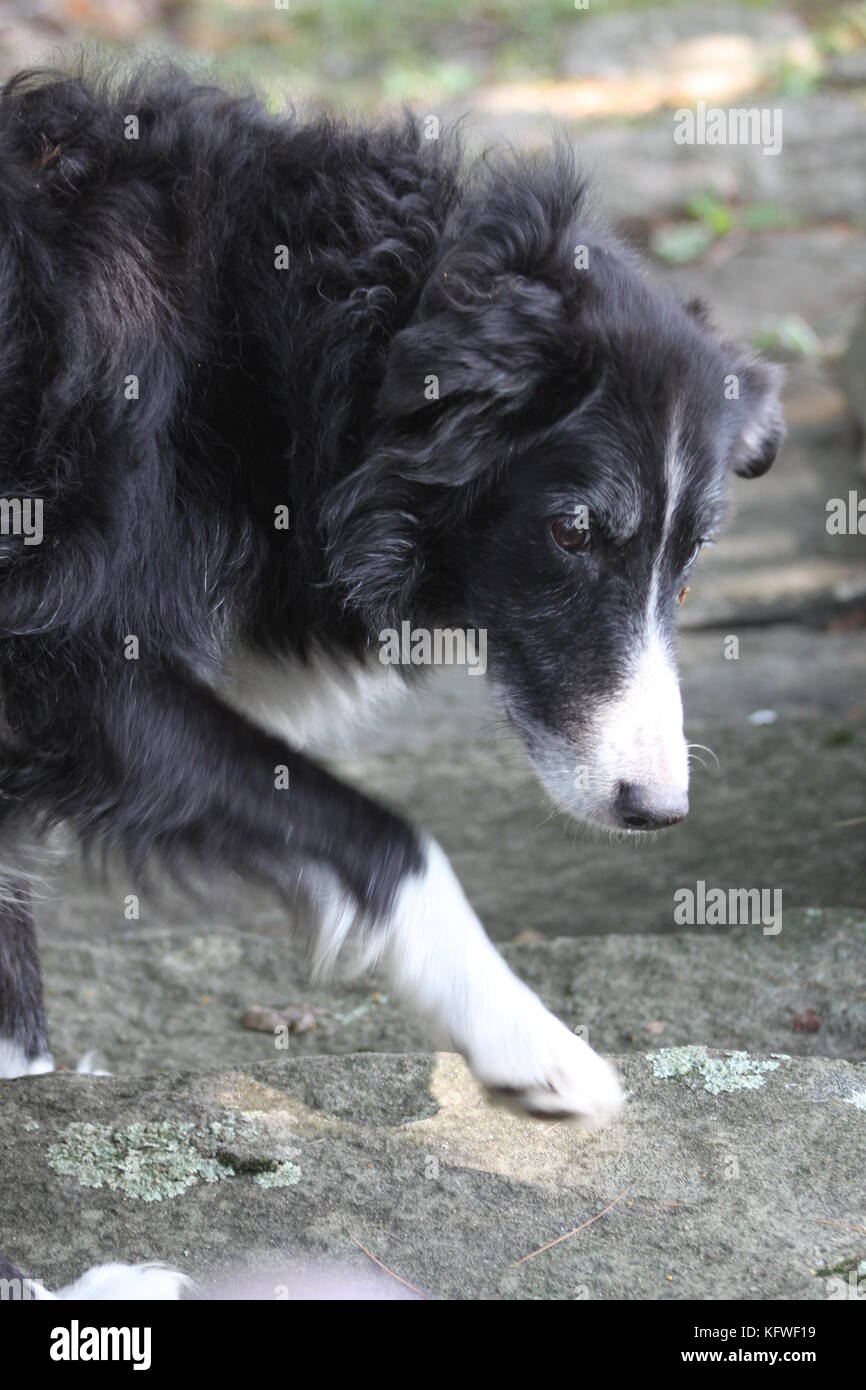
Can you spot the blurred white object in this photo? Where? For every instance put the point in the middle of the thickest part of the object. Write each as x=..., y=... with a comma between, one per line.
x=763, y=716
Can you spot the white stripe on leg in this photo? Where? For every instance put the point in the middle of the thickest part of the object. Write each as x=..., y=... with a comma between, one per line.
x=14, y=1062
x=442, y=964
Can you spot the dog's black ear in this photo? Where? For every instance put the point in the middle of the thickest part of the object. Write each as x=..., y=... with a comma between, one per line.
x=484, y=355
x=490, y=357
x=760, y=426
x=463, y=385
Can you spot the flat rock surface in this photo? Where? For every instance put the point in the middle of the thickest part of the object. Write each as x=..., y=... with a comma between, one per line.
x=160, y=999
x=727, y=1177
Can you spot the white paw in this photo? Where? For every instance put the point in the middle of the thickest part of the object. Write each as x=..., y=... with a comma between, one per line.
x=439, y=961
x=531, y=1063
x=14, y=1062
x=143, y=1283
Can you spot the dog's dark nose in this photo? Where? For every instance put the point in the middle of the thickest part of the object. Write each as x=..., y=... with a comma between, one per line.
x=639, y=808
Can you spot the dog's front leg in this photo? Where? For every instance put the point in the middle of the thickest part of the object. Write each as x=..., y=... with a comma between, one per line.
x=190, y=776
x=439, y=959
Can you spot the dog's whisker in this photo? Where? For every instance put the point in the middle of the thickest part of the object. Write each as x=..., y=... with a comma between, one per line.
x=704, y=749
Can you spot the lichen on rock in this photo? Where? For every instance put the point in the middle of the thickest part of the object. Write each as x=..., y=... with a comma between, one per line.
x=163, y=1159
x=285, y=1174
x=148, y=1161
x=735, y=1071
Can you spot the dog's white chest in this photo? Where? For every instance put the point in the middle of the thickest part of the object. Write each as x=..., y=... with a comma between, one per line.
x=318, y=701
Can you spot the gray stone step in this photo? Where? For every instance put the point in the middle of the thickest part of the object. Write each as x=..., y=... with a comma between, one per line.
x=726, y=1178
x=168, y=999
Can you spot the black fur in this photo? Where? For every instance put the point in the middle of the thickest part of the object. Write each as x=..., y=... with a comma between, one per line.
x=22, y=1013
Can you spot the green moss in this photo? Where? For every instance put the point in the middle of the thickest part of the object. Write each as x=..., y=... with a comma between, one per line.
x=248, y=1163
x=844, y=1267
x=839, y=738
x=736, y=1071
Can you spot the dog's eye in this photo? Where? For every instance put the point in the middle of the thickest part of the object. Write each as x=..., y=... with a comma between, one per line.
x=695, y=552
x=569, y=535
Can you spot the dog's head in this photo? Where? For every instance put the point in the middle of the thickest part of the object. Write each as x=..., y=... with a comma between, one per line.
x=554, y=442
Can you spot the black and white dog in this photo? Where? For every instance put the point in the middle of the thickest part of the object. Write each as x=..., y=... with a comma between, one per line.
x=270, y=388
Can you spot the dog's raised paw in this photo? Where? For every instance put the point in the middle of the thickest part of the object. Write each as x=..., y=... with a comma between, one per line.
x=553, y=1076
